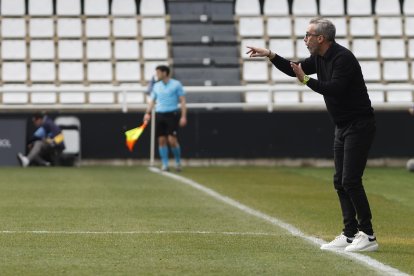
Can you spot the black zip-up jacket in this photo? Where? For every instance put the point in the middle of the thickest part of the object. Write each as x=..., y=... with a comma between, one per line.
x=340, y=81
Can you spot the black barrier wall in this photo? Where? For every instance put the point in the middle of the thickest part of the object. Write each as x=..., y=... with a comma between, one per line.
x=12, y=140
x=238, y=134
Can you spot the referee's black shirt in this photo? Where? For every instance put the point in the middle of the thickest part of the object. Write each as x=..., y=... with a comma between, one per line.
x=340, y=81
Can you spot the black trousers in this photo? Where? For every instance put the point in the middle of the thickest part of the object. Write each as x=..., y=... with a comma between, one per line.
x=351, y=146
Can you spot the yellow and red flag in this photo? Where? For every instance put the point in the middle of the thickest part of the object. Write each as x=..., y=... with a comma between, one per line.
x=132, y=135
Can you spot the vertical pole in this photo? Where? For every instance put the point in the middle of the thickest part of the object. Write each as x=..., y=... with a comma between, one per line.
x=152, y=150
x=124, y=101
x=270, y=100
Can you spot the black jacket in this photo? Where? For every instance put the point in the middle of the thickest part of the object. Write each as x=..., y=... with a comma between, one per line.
x=340, y=81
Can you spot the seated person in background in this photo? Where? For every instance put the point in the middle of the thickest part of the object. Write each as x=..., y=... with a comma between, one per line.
x=46, y=143
x=411, y=110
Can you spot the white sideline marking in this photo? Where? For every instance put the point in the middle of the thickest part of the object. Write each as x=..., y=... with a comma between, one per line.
x=259, y=234
x=366, y=260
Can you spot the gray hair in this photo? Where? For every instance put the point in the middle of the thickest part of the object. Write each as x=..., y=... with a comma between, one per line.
x=324, y=27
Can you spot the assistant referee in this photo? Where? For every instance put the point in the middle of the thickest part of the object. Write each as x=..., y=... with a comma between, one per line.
x=166, y=94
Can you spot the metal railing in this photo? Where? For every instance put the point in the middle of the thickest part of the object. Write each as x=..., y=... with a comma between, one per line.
x=270, y=102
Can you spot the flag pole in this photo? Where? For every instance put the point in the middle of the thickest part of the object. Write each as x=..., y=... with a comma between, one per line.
x=152, y=147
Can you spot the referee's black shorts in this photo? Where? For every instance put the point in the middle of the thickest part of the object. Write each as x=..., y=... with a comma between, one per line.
x=167, y=123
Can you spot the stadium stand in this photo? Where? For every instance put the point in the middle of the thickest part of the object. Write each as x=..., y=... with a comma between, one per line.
x=152, y=7
x=247, y=7
x=68, y=7
x=13, y=28
x=110, y=43
x=359, y=7
x=387, y=7
x=41, y=7
x=276, y=8
x=123, y=7
x=96, y=7
x=204, y=45
x=376, y=31
x=13, y=7
x=331, y=7
x=408, y=7
x=82, y=45
x=304, y=7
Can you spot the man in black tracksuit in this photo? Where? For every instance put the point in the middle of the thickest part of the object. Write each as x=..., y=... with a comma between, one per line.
x=342, y=85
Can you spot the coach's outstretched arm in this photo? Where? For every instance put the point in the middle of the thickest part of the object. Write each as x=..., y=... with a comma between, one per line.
x=263, y=52
x=281, y=63
x=260, y=52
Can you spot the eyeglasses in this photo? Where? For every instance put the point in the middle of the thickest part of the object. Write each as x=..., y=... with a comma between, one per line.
x=307, y=35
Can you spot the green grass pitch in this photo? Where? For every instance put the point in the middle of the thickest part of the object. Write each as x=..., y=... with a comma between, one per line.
x=130, y=221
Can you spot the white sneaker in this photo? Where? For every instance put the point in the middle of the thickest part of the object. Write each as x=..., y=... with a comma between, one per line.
x=23, y=160
x=362, y=242
x=178, y=168
x=165, y=168
x=339, y=243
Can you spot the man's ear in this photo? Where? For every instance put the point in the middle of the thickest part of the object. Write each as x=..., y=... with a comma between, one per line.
x=321, y=38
